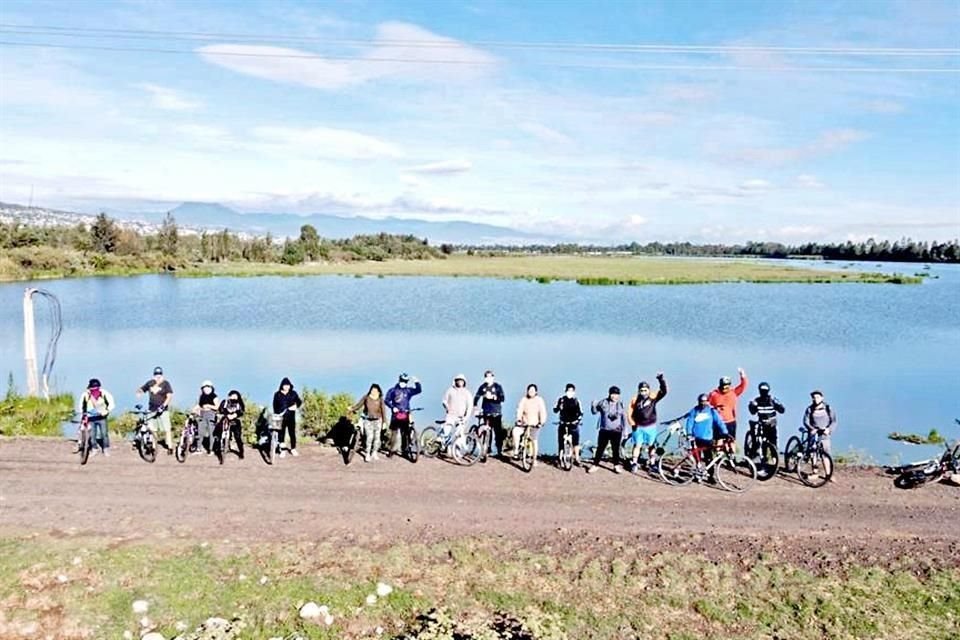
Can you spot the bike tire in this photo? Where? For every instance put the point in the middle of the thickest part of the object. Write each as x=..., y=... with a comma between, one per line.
x=466, y=450
x=676, y=469
x=430, y=444
x=180, y=453
x=910, y=480
x=766, y=460
x=815, y=469
x=735, y=474
x=352, y=446
x=791, y=453
x=484, y=441
x=750, y=445
x=413, y=446
x=147, y=451
x=566, y=456
x=85, y=446
x=526, y=455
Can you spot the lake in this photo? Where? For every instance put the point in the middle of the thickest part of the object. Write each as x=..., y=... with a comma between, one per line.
x=887, y=357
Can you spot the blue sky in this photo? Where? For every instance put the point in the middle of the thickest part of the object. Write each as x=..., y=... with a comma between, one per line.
x=443, y=110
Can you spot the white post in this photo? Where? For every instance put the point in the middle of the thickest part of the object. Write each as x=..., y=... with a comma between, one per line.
x=30, y=343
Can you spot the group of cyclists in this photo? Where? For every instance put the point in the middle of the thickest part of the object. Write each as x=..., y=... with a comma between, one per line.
x=713, y=419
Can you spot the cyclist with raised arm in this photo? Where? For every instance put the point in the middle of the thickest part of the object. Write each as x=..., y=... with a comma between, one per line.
x=372, y=420
x=97, y=403
x=286, y=402
x=490, y=398
x=569, y=413
x=232, y=408
x=642, y=418
x=159, y=398
x=724, y=399
x=457, y=405
x=531, y=414
x=206, y=410
x=612, y=424
x=766, y=407
x=398, y=400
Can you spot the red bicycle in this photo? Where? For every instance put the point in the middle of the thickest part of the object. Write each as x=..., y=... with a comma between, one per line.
x=731, y=471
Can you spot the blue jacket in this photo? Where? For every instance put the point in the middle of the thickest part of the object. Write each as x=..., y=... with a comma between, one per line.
x=398, y=398
x=613, y=417
x=701, y=423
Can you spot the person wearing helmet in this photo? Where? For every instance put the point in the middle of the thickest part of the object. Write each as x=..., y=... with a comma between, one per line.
x=642, y=418
x=820, y=418
x=286, y=402
x=97, y=403
x=398, y=400
x=724, y=400
x=570, y=413
x=766, y=407
x=458, y=404
x=206, y=410
x=159, y=398
x=232, y=409
x=490, y=398
x=612, y=424
x=705, y=426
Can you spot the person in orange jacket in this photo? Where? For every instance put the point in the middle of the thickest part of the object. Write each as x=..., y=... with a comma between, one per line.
x=724, y=400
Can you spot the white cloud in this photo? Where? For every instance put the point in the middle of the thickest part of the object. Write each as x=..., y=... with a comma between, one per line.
x=807, y=181
x=692, y=93
x=445, y=167
x=327, y=143
x=169, y=99
x=755, y=185
x=891, y=107
x=435, y=59
x=544, y=133
x=828, y=142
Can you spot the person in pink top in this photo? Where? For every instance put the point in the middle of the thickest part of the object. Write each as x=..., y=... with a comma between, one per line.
x=724, y=400
x=532, y=413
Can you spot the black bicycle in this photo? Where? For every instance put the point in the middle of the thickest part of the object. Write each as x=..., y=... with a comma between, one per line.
x=189, y=439
x=759, y=447
x=144, y=439
x=410, y=449
x=917, y=474
x=805, y=456
x=483, y=433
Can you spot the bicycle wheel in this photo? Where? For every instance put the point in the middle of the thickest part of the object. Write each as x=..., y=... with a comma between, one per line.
x=85, y=446
x=483, y=441
x=526, y=455
x=146, y=449
x=566, y=455
x=766, y=460
x=351, y=447
x=413, y=446
x=272, y=451
x=676, y=468
x=430, y=443
x=751, y=447
x=222, y=445
x=181, y=451
x=735, y=474
x=815, y=469
x=466, y=450
x=790, y=454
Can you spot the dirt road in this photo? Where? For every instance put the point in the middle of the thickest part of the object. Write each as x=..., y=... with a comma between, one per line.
x=861, y=517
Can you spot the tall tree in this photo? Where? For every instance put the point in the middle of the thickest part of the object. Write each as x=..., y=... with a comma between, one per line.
x=104, y=234
x=310, y=242
x=168, y=236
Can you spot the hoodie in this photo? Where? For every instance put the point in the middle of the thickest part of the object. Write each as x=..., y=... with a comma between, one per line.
x=725, y=402
x=643, y=412
x=458, y=401
x=702, y=422
x=612, y=415
x=490, y=407
x=398, y=398
x=284, y=401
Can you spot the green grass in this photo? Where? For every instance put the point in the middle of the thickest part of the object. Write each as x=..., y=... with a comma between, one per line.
x=27, y=416
x=933, y=437
x=73, y=587
x=585, y=270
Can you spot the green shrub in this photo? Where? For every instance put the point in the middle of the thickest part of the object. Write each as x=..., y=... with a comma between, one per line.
x=321, y=411
x=30, y=416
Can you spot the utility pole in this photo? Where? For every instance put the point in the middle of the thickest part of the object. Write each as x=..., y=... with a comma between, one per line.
x=30, y=343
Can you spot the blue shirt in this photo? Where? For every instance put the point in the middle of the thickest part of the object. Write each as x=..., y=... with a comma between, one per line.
x=701, y=423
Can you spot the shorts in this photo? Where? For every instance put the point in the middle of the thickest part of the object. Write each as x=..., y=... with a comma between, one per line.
x=731, y=430
x=645, y=436
x=534, y=432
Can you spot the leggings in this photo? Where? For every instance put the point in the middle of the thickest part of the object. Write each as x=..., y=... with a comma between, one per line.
x=289, y=424
x=605, y=437
x=236, y=434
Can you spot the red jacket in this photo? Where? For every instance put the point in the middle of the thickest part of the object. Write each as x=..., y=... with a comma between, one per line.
x=726, y=402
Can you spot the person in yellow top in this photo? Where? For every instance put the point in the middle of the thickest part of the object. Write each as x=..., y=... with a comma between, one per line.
x=532, y=413
x=97, y=403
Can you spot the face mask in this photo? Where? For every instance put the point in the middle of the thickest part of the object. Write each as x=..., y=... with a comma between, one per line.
x=570, y=394
x=95, y=393
x=644, y=393
x=402, y=385
x=488, y=379
x=614, y=397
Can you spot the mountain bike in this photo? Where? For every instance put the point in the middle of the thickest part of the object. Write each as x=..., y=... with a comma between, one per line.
x=450, y=440
x=273, y=438
x=731, y=471
x=189, y=439
x=565, y=457
x=483, y=433
x=526, y=448
x=761, y=449
x=144, y=440
x=84, y=439
x=222, y=447
x=354, y=443
x=411, y=450
x=917, y=474
x=804, y=455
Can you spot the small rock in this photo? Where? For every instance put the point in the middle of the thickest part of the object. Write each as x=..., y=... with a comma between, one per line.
x=29, y=629
x=324, y=609
x=216, y=623
x=62, y=579
x=140, y=606
x=328, y=619
x=153, y=635
x=379, y=631
x=181, y=626
x=371, y=599
x=145, y=622
x=263, y=580
x=310, y=611
x=128, y=635
x=77, y=561
x=241, y=577
x=383, y=589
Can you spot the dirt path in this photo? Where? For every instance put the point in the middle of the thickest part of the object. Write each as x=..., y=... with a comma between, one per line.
x=862, y=516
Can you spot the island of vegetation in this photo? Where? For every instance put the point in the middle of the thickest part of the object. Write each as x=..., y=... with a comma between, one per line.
x=105, y=248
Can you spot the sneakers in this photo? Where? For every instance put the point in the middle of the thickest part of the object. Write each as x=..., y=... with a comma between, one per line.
x=210, y=453
x=576, y=462
x=593, y=469
x=294, y=453
x=106, y=453
x=617, y=469
x=283, y=454
x=95, y=452
x=375, y=456
x=534, y=463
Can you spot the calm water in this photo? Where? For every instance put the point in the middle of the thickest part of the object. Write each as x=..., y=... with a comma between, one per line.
x=887, y=357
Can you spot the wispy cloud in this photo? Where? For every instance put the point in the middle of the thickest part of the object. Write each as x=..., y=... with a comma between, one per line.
x=327, y=143
x=544, y=133
x=169, y=99
x=445, y=167
x=828, y=142
x=807, y=181
x=891, y=107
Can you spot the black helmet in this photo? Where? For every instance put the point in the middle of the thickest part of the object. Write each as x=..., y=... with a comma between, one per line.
x=404, y=377
x=764, y=388
x=643, y=385
x=725, y=381
x=614, y=390
x=93, y=384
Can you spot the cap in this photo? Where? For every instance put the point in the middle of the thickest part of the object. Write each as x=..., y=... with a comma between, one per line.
x=702, y=397
x=158, y=371
x=93, y=384
x=816, y=392
x=404, y=377
x=570, y=386
x=206, y=383
x=488, y=372
x=764, y=386
x=614, y=390
x=643, y=385
x=725, y=381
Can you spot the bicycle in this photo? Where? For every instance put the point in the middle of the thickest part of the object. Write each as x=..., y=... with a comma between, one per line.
x=222, y=447
x=144, y=439
x=805, y=457
x=483, y=433
x=84, y=438
x=917, y=474
x=412, y=450
x=526, y=448
x=273, y=439
x=189, y=438
x=450, y=440
x=565, y=456
x=354, y=443
x=761, y=449
x=732, y=472
x=660, y=442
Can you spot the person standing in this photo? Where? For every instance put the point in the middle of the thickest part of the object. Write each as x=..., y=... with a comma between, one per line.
x=705, y=426
x=724, y=400
x=531, y=414
x=97, y=403
x=458, y=404
x=569, y=413
x=398, y=400
x=490, y=399
x=372, y=417
x=642, y=418
x=286, y=402
x=231, y=410
x=159, y=398
x=820, y=418
x=766, y=407
x=612, y=424
x=206, y=411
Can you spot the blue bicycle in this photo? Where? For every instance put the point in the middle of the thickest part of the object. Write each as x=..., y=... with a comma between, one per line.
x=454, y=441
